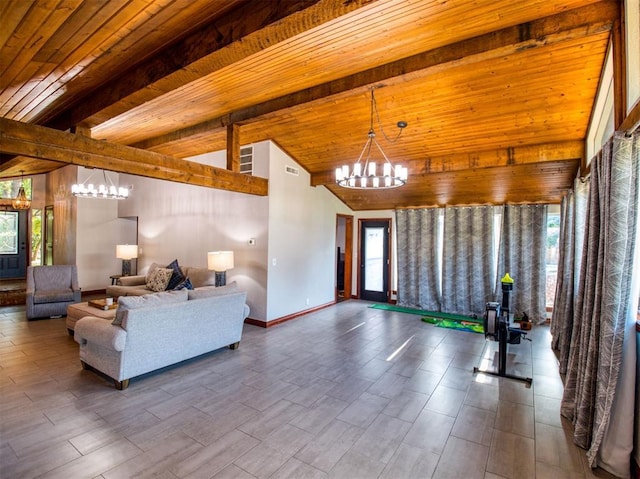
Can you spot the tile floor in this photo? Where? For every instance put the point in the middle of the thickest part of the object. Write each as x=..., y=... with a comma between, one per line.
x=345, y=392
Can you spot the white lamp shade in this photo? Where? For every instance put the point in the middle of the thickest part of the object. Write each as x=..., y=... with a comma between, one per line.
x=126, y=251
x=220, y=260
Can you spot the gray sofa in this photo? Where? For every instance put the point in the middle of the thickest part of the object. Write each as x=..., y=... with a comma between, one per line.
x=137, y=285
x=161, y=329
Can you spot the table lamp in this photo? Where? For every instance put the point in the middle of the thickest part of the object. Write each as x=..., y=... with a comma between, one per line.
x=126, y=252
x=220, y=262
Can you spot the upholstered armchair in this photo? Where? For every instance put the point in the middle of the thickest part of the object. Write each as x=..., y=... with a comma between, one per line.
x=50, y=289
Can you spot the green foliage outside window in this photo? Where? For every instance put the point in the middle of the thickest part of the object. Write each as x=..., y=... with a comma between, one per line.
x=36, y=237
x=9, y=188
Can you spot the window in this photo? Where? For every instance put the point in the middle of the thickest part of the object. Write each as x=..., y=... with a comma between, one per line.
x=553, y=237
x=9, y=232
x=36, y=237
x=246, y=160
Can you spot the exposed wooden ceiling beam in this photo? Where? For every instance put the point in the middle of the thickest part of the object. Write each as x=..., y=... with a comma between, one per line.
x=632, y=121
x=35, y=141
x=577, y=23
x=233, y=148
x=522, y=155
x=4, y=159
x=240, y=33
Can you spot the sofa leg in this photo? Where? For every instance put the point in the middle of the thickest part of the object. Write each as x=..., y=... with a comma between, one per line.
x=70, y=331
x=235, y=345
x=121, y=385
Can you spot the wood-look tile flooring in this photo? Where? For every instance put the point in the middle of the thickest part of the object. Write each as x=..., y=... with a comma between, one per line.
x=344, y=392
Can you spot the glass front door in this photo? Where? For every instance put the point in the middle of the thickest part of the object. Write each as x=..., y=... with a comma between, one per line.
x=13, y=244
x=374, y=260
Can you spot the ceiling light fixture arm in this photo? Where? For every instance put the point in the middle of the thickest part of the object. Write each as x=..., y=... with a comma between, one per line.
x=366, y=175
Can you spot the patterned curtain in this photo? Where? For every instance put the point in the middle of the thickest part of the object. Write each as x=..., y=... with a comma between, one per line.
x=594, y=399
x=418, y=258
x=562, y=320
x=581, y=198
x=573, y=216
x=468, y=270
x=522, y=254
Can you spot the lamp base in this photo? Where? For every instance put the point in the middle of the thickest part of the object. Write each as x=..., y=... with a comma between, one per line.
x=221, y=278
x=126, y=267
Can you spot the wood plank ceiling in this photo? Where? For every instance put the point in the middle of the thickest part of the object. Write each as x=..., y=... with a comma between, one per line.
x=497, y=94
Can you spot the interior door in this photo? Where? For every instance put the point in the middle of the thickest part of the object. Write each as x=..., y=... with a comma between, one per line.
x=374, y=260
x=13, y=244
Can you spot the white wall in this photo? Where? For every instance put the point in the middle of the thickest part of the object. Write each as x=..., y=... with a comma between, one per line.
x=99, y=230
x=302, y=240
x=601, y=127
x=184, y=222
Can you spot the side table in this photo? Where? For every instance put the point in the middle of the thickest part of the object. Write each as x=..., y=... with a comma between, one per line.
x=115, y=278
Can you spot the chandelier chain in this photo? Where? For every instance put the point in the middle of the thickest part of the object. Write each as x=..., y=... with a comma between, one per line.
x=374, y=107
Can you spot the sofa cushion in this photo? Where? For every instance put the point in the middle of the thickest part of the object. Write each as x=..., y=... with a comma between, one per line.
x=50, y=278
x=159, y=278
x=117, y=291
x=201, y=277
x=137, y=280
x=177, y=277
x=125, y=303
x=53, y=296
x=208, y=291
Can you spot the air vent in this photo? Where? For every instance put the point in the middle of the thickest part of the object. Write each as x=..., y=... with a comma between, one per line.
x=246, y=160
x=292, y=170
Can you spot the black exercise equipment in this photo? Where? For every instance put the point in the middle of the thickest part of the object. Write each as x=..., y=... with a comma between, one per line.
x=497, y=328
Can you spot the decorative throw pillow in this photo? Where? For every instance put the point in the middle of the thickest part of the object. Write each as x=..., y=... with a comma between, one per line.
x=125, y=303
x=159, y=279
x=177, y=277
x=184, y=284
x=208, y=291
x=153, y=267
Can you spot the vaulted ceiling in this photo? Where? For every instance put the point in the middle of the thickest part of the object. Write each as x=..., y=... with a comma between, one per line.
x=497, y=94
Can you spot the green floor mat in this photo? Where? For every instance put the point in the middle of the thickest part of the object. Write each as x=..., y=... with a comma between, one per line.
x=472, y=326
x=422, y=312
